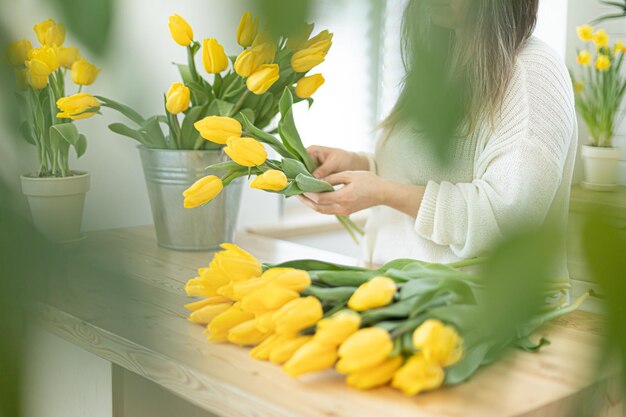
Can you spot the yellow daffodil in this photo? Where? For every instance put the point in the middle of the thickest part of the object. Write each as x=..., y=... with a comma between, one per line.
x=585, y=33
x=246, y=334
x=375, y=293
x=207, y=313
x=17, y=52
x=247, y=29
x=438, y=342
x=67, y=56
x=417, y=375
x=300, y=37
x=46, y=54
x=181, y=31
x=246, y=152
x=603, y=63
x=288, y=278
x=336, y=329
x=177, y=98
x=306, y=59
x=84, y=73
x=50, y=33
x=202, y=191
x=376, y=376
x=197, y=305
x=284, y=351
x=235, y=263
x=298, y=314
x=307, y=86
x=618, y=48
x=601, y=38
x=270, y=180
x=75, y=107
x=364, y=349
x=268, y=298
x=213, y=56
x=584, y=58
x=225, y=321
x=246, y=63
x=313, y=356
x=218, y=129
x=263, y=78
x=579, y=87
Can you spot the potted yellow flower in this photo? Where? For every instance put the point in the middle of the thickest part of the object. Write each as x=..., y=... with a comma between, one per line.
x=599, y=92
x=56, y=194
x=201, y=114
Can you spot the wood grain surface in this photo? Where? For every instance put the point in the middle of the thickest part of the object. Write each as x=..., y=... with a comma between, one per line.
x=120, y=296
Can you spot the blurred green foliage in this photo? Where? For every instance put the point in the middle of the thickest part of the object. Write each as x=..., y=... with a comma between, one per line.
x=284, y=17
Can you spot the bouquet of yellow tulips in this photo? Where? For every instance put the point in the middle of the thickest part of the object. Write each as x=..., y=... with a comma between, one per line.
x=410, y=324
x=40, y=74
x=600, y=89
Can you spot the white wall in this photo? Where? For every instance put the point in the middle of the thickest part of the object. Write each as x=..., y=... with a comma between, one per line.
x=552, y=24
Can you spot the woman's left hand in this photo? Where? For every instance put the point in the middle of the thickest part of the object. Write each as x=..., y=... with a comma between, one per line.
x=361, y=190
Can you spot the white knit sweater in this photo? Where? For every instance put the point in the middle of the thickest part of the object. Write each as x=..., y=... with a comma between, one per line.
x=519, y=173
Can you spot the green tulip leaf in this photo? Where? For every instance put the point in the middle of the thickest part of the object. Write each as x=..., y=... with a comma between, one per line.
x=152, y=130
x=122, y=129
x=266, y=138
x=472, y=359
x=81, y=146
x=66, y=131
x=313, y=185
x=344, y=278
x=330, y=295
x=189, y=136
x=122, y=108
x=185, y=74
x=292, y=168
x=27, y=133
x=291, y=190
x=224, y=108
x=313, y=265
x=226, y=166
x=528, y=345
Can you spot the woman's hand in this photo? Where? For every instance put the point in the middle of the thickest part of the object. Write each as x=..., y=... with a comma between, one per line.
x=334, y=160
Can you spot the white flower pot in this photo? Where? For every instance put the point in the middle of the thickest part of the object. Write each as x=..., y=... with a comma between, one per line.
x=600, y=166
x=56, y=204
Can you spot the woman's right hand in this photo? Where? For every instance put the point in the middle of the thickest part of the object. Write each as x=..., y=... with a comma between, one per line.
x=334, y=160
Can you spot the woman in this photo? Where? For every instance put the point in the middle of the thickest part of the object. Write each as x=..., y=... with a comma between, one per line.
x=511, y=154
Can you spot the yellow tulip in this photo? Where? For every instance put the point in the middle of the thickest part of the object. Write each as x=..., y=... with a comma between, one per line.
x=17, y=52
x=213, y=56
x=247, y=29
x=225, y=321
x=284, y=351
x=336, y=329
x=307, y=86
x=246, y=334
x=46, y=54
x=207, y=283
x=268, y=298
x=265, y=322
x=246, y=152
x=438, y=342
x=311, y=357
x=177, y=98
x=603, y=63
x=38, y=82
x=207, y=313
x=244, y=288
x=84, y=73
x=75, y=107
x=298, y=39
x=377, y=376
x=262, y=350
x=202, y=191
x=235, y=263
x=263, y=78
x=197, y=305
x=288, y=278
x=585, y=33
x=218, y=129
x=417, y=375
x=67, y=56
x=306, y=59
x=246, y=63
x=270, y=180
x=364, y=349
x=601, y=38
x=38, y=68
x=375, y=293
x=180, y=30
x=50, y=33
x=584, y=58
x=321, y=42
x=265, y=52
x=298, y=314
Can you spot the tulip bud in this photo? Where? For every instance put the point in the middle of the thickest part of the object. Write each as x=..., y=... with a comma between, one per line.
x=306, y=59
x=67, y=56
x=197, y=305
x=418, y=374
x=364, y=349
x=289, y=278
x=246, y=63
x=208, y=313
x=375, y=293
x=214, y=57
x=298, y=314
x=224, y=322
x=284, y=351
x=377, y=376
x=38, y=68
x=46, y=54
x=263, y=78
x=235, y=263
x=211, y=280
x=321, y=42
x=438, y=342
x=247, y=29
x=17, y=52
x=262, y=351
x=180, y=30
x=202, y=191
x=271, y=180
x=265, y=322
x=84, y=73
x=307, y=86
x=246, y=152
x=311, y=357
x=38, y=82
x=266, y=52
x=245, y=288
x=50, y=33
x=79, y=106
x=336, y=329
x=218, y=129
x=268, y=298
x=246, y=334
x=177, y=98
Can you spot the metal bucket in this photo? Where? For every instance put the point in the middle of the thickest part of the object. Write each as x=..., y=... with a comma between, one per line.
x=170, y=172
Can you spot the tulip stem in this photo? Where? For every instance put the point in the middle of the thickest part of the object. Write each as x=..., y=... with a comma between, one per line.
x=239, y=103
x=80, y=88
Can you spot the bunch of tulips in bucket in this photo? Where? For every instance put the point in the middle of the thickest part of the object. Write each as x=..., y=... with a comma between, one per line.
x=410, y=324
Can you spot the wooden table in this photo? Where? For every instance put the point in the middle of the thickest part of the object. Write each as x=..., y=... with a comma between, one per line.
x=120, y=297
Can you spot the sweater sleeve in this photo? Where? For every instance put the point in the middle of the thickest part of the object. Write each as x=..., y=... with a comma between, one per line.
x=371, y=160
x=518, y=170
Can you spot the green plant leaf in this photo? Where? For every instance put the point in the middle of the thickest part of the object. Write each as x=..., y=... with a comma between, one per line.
x=312, y=185
x=122, y=108
x=90, y=21
x=330, y=295
x=292, y=168
x=469, y=363
x=66, y=131
x=151, y=129
x=81, y=146
x=224, y=108
x=27, y=133
x=185, y=74
x=266, y=138
x=189, y=136
x=122, y=129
